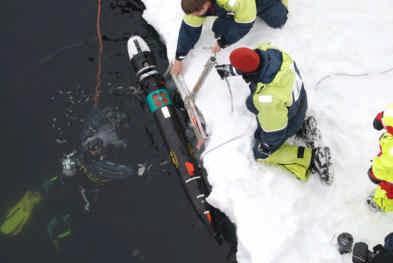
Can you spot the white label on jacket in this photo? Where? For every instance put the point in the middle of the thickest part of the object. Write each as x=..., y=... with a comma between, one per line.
x=232, y=3
x=265, y=99
x=165, y=112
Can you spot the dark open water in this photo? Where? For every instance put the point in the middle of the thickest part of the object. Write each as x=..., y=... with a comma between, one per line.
x=48, y=48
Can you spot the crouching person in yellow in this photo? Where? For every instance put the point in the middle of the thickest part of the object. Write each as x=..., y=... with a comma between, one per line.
x=279, y=100
x=381, y=171
x=235, y=18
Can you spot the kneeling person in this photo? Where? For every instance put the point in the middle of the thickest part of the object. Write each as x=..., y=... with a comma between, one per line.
x=381, y=170
x=279, y=100
x=235, y=20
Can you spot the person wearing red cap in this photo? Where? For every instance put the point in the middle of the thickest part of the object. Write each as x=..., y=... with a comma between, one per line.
x=381, y=170
x=279, y=100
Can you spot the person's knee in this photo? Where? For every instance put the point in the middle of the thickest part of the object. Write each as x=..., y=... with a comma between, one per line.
x=276, y=15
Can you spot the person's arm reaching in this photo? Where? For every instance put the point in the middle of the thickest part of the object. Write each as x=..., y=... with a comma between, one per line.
x=189, y=34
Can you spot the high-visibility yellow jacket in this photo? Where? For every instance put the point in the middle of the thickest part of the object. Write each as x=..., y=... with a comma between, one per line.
x=382, y=166
x=236, y=16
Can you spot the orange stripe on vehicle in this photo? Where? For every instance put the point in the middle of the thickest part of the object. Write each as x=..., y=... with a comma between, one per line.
x=190, y=168
x=208, y=216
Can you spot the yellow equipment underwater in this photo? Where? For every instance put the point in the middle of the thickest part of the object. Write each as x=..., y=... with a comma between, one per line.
x=18, y=216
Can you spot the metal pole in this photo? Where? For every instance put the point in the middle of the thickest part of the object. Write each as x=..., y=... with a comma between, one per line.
x=230, y=92
x=211, y=62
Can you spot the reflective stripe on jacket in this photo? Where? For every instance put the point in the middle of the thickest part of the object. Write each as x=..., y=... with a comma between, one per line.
x=273, y=99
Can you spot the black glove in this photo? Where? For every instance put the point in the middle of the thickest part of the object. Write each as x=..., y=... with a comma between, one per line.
x=226, y=70
x=262, y=150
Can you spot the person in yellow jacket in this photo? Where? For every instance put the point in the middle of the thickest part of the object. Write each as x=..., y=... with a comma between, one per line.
x=235, y=19
x=381, y=171
x=279, y=100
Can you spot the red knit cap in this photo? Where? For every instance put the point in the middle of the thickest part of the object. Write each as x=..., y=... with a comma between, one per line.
x=245, y=59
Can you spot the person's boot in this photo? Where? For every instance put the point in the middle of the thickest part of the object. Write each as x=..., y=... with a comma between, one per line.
x=371, y=203
x=321, y=164
x=309, y=131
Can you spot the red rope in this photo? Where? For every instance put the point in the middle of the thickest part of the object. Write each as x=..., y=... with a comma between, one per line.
x=99, y=56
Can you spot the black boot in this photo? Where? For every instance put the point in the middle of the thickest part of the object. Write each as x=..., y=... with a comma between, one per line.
x=321, y=164
x=310, y=132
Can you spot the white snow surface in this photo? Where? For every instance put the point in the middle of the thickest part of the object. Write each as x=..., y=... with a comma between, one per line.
x=280, y=219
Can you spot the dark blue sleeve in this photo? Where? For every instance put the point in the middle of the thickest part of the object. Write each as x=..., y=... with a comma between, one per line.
x=250, y=105
x=227, y=31
x=267, y=143
x=188, y=36
x=273, y=140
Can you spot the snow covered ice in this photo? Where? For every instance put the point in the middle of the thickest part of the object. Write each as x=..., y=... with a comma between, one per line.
x=280, y=219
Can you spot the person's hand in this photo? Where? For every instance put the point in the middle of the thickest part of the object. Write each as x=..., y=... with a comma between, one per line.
x=224, y=70
x=262, y=150
x=177, y=67
x=216, y=48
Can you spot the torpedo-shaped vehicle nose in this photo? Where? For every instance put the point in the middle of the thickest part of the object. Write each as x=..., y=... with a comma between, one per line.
x=141, y=58
x=136, y=45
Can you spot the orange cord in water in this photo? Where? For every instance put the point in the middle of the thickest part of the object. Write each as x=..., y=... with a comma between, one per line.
x=99, y=57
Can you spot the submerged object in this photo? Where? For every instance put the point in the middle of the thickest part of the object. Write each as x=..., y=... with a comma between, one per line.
x=102, y=125
x=100, y=135
x=18, y=216
x=59, y=229
x=165, y=114
x=70, y=164
x=104, y=171
x=100, y=132
x=98, y=171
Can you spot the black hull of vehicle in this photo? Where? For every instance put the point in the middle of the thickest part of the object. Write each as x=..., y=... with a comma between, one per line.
x=160, y=104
